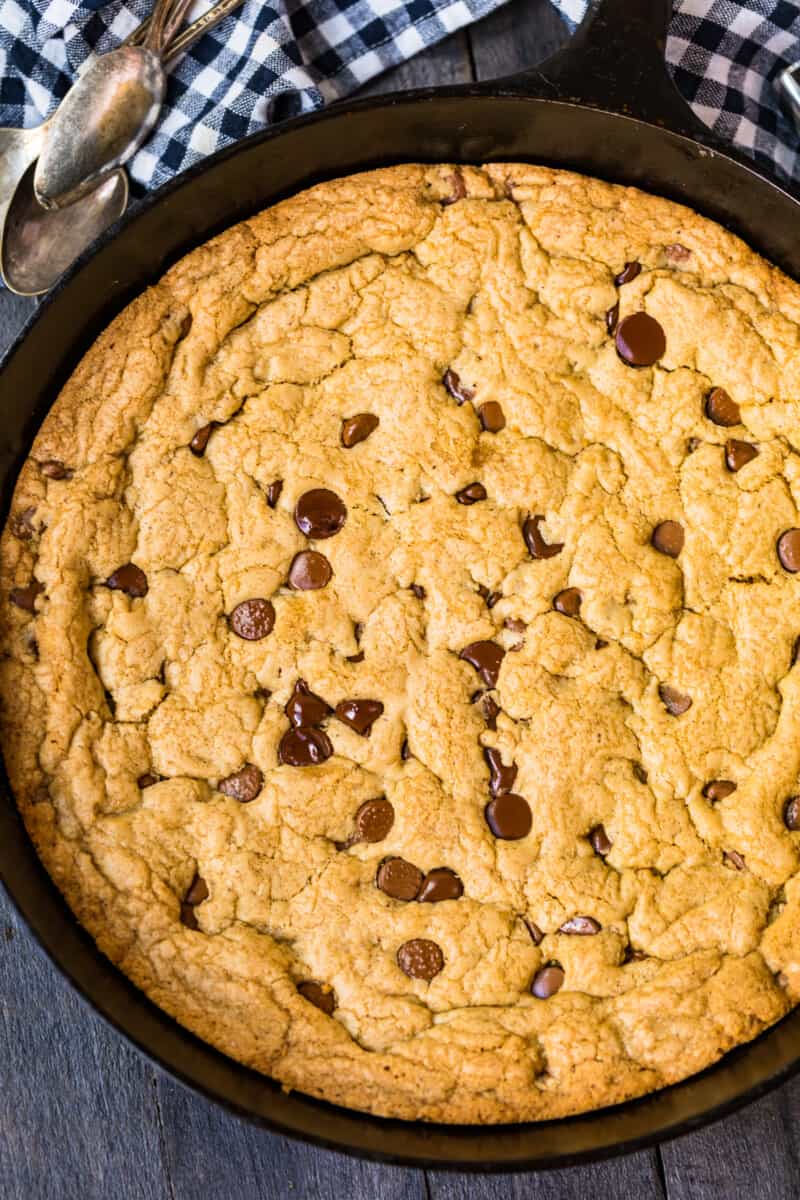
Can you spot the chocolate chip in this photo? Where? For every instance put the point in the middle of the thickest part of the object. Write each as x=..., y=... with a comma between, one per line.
x=147, y=780
x=458, y=186
x=471, y=494
x=640, y=772
x=322, y=998
x=580, y=925
x=722, y=409
x=739, y=454
x=456, y=388
x=600, y=841
x=547, y=981
x=420, y=959
x=374, y=819
x=304, y=707
x=399, y=879
x=198, y=891
x=490, y=711
x=640, y=340
x=309, y=571
x=789, y=550
x=719, y=789
x=53, y=469
x=668, y=538
x=501, y=777
x=319, y=513
x=244, y=785
x=537, y=546
x=440, y=884
x=355, y=658
x=200, y=440
x=612, y=319
x=486, y=658
x=492, y=599
x=491, y=416
x=631, y=955
x=188, y=918
x=732, y=858
x=129, y=579
x=600, y=644
x=791, y=814
x=568, y=602
x=537, y=937
x=628, y=273
x=358, y=428
x=21, y=524
x=692, y=444
x=360, y=715
x=253, y=619
x=677, y=253
x=514, y=624
x=25, y=597
x=418, y=591
x=675, y=702
x=273, y=492
x=509, y=816
x=304, y=747
x=405, y=752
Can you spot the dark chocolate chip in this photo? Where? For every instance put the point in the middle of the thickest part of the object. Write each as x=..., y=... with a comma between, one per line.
x=640, y=340
x=514, y=624
x=600, y=841
x=537, y=546
x=486, y=658
x=492, y=599
x=732, y=858
x=405, y=752
x=188, y=917
x=420, y=959
x=253, y=619
x=322, y=998
x=580, y=925
x=304, y=707
x=198, y=891
x=319, y=513
x=628, y=273
x=147, y=780
x=640, y=772
x=612, y=319
x=274, y=492
x=491, y=416
x=440, y=884
x=309, y=571
x=21, y=524
x=509, y=816
x=677, y=253
x=304, y=747
x=568, y=602
x=200, y=440
x=459, y=188
x=355, y=658
x=501, y=777
x=459, y=391
x=129, y=579
x=722, y=409
x=668, y=538
x=791, y=814
x=358, y=428
x=789, y=550
x=600, y=644
x=676, y=703
x=244, y=785
x=53, y=469
x=547, y=981
x=739, y=454
x=719, y=789
x=491, y=710
x=360, y=715
x=374, y=819
x=471, y=494
x=25, y=597
x=537, y=937
x=399, y=879
x=418, y=591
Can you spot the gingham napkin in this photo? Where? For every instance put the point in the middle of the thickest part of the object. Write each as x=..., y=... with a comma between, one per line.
x=272, y=60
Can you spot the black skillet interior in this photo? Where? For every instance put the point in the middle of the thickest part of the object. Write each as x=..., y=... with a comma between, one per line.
x=614, y=63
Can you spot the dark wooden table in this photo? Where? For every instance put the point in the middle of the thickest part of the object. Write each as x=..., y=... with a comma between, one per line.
x=85, y=1117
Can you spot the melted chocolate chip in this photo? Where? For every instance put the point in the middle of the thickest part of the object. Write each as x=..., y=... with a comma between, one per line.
x=309, y=571
x=491, y=710
x=789, y=550
x=509, y=817
x=514, y=624
x=420, y=959
x=537, y=937
x=537, y=546
x=21, y=524
x=501, y=777
x=719, y=789
x=374, y=820
x=547, y=981
x=25, y=598
x=147, y=780
x=628, y=273
x=273, y=492
x=322, y=998
x=200, y=440
x=459, y=189
x=358, y=428
x=722, y=409
x=568, y=602
x=53, y=469
x=459, y=391
x=253, y=619
x=668, y=538
x=360, y=715
x=304, y=747
x=600, y=841
x=486, y=658
x=675, y=702
x=471, y=494
x=418, y=591
x=791, y=814
x=304, y=707
x=188, y=918
x=244, y=785
x=612, y=319
x=129, y=579
x=320, y=513
x=399, y=879
x=491, y=417
x=355, y=658
x=739, y=454
x=640, y=340
x=580, y=925
x=677, y=253
x=440, y=884
x=198, y=891
x=732, y=858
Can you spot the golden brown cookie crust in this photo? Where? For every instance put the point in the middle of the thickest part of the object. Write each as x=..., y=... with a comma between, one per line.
x=356, y=297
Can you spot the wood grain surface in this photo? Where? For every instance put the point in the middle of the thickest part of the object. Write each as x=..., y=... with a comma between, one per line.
x=85, y=1117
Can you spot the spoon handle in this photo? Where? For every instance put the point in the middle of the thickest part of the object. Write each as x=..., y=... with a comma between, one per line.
x=165, y=21
x=193, y=32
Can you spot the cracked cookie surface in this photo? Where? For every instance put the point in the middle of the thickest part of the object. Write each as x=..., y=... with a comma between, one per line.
x=400, y=608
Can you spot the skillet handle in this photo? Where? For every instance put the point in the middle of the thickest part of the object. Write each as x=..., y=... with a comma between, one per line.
x=615, y=61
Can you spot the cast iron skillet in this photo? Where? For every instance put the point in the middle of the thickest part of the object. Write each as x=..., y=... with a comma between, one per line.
x=606, y=107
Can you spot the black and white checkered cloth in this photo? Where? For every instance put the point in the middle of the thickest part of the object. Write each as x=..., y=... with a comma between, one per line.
x=276, y=59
